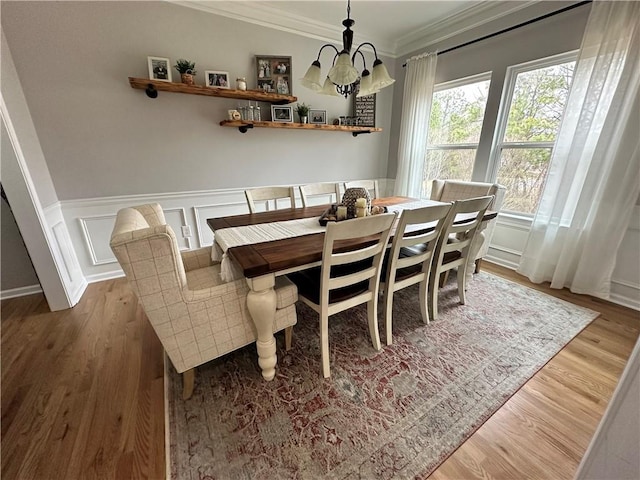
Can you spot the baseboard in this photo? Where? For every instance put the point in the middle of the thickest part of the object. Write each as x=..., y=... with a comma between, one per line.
x=20, y=292
x=100, y=277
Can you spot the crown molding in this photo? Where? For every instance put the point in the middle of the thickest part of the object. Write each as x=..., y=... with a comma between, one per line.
x=257, y=13
x=277, y=19
x=466, y=20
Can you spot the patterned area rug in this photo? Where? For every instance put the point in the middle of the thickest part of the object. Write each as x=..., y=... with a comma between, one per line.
x=397, y=413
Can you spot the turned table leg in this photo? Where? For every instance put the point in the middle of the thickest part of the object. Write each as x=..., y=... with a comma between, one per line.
x=261, y=302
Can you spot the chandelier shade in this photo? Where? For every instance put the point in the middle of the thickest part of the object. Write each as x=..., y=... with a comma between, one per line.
x=380, y=76
x=343, y=72
x=329, y=88
x=312, y=79
x=343, y=77
x=366, y=84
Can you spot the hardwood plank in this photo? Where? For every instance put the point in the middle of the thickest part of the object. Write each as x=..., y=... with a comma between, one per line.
x=83, y=393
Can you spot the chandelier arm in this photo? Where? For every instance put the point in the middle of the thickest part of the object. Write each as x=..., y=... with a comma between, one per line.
x=375, y=52
x=353, y=58
x=328, y=45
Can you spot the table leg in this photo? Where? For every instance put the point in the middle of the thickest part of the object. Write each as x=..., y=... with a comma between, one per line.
x=261, y=302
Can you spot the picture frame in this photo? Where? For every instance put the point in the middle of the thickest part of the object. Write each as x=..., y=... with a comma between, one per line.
x=364, y=110
x=318, y=117
x=273, y=74
x=216, y=79
x=282, y=113
x=159, y=69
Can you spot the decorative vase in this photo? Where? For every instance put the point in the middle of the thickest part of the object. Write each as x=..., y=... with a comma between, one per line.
x=304, y=119
x=186, y=78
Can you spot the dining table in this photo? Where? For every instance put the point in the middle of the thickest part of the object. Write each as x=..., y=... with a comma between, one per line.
x=260, y=262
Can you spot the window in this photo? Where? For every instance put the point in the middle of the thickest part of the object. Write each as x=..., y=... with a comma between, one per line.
x=531, y=109
x=457, y=113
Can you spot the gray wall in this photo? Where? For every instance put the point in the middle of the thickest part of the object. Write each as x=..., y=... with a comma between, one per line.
x=558, y=34
x=15, y=265
x=102, y=138
x=16, y=270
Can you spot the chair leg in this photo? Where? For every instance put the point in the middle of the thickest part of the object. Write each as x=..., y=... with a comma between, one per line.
x=478, y=261
x=372, y=313
x=444, y=278
x=324, y=345
x=288, y=336
x=424, y=296
x=433, y=291
x=462, y=282
x=188, y=381
x=388, y=312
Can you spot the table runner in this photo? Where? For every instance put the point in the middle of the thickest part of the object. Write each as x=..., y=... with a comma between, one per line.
x=225, y=238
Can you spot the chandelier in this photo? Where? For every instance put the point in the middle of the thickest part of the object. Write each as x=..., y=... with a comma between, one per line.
x=343, y=78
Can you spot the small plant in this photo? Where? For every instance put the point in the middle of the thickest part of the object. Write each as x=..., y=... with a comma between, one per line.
x=302, y=110
x=185, y=66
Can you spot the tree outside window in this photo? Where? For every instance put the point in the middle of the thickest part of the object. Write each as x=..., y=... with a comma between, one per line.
x=457, y=113
x=537, y=94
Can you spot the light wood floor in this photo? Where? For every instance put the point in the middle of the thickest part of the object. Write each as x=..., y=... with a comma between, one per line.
x=82, y=394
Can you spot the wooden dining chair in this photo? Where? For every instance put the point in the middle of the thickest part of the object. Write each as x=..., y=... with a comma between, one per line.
x=454, y=245
x=329, y=191
x=348, y=276
x=409, y=260
x=268, y=194
x=370, y=185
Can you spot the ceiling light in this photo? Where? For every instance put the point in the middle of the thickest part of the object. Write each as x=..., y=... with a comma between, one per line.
x=343, y=78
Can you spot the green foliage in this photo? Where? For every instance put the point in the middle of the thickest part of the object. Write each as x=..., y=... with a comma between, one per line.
x=185, y=66
x=535, y=114
x=302, y=110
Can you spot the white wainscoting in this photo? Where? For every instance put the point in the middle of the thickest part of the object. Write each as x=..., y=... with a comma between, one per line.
x=510, y=237
x=90, y=222
x=64, y=250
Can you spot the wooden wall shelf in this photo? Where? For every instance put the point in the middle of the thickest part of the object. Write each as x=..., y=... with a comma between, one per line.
x=243, y=126
x=151, y=87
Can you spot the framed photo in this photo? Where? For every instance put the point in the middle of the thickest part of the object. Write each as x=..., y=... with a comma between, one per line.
x=217, y=79
x=364, y=110
x=281, y=113
x=159, y=69
x=273, y=74
x=318, y=116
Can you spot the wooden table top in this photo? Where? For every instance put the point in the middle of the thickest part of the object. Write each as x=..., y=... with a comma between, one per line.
x=278, y=255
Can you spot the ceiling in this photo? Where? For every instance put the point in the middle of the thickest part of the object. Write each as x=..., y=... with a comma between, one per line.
x=395, y=27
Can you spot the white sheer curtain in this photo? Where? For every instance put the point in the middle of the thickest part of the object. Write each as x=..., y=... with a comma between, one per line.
x=594, y=175
x=416, y=109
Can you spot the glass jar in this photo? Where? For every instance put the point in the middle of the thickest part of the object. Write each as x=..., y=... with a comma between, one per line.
x=241, y=83
x=256, y=114
x=250, y=110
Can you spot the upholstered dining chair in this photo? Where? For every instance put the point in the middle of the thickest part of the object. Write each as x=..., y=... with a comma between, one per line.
x=409, y=260
x=329, y=191
x=347, y=276
x=451, y=190
x=370, y=185
x=266, y=194
x=196, y=316
x=453, y=247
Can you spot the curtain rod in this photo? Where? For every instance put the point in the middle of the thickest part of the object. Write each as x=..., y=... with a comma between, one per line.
x=505, y=30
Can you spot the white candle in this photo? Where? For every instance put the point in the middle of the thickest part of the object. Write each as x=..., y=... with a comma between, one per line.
x=361, y=202
x=342, y=212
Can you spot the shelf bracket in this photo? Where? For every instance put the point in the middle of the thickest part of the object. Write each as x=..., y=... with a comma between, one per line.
x=355, y=134
x=244, y=128
x=151, y=91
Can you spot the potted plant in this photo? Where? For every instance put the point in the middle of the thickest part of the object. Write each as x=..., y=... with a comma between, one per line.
x=187, y=70
x=303, y=112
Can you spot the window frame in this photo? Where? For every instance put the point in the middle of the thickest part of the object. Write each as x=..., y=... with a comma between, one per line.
x=497, y=142
x=459, y=82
